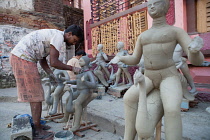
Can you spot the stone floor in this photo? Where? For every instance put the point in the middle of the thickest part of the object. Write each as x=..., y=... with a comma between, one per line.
x=108, y=113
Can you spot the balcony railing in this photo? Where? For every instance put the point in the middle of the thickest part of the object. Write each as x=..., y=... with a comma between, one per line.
x=101, y=9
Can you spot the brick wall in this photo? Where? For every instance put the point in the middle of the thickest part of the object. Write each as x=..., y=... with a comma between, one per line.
x=20, y=17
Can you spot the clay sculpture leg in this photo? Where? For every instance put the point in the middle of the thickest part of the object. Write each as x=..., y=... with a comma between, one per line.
x=57, y=94
x=186, y=72
x=84, y=95
x=171, y=95
x=118, y=74
x=128, y=75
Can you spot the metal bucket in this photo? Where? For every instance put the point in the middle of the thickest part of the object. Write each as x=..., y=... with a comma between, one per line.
x=64, y=135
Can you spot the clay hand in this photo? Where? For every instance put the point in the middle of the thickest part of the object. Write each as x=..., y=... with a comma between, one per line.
x=138, y=77
x=90, y=64
x=196, y=45
x=76, y=70
x=107, y=65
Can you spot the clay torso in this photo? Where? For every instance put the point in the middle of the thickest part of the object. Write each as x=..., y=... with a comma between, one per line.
x=121, y=53
x=100, y=58
x=158, y=47
x=81, y=84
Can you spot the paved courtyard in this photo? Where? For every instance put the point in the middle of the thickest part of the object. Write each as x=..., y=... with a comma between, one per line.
x=108, y=113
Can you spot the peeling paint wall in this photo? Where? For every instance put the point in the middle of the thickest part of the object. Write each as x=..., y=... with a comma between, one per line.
x=9, y=37
x=17, y=4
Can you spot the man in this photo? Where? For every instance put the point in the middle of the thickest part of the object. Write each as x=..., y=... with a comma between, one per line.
x=157, y=45
x=75, y=63
x=33, y=48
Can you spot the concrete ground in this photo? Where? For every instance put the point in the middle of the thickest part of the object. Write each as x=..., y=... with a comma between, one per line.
x=108, y=113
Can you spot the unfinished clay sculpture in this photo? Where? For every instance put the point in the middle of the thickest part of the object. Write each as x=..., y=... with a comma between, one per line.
x=100, y=61
x=54, y=93
x=162, y=82
x=85, y=84
x=122, y=68
x=184, y=74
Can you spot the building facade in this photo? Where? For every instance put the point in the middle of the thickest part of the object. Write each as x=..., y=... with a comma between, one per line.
x=110, y=21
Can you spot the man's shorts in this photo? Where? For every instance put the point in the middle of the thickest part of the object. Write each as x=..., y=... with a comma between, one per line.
x=27, y=80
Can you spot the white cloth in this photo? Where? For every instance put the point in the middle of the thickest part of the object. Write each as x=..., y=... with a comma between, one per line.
x=36, y=45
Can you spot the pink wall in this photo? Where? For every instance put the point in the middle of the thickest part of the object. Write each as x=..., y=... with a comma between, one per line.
x=87, y=17
x=180, y=15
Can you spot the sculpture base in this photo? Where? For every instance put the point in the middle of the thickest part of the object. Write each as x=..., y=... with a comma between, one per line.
x=84, y=126
x=118, y=91
x=53, y=117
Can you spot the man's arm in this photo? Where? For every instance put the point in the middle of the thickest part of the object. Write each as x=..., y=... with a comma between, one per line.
x=190, y=46
x=54, y=62
x=45, y=66
x=43, y=63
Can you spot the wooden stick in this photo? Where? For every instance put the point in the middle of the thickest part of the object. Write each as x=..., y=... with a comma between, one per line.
x=158, y=130
x=67, y=124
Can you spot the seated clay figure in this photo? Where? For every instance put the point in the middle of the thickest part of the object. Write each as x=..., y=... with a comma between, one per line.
x=122, y=68
x=181, y=64
x=184, y=74
x=162, y=83
x=101, y=57
x=85, y=82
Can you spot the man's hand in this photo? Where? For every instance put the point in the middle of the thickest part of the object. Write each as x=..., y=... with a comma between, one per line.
x=53, y=79
x=76, y=70
x=196, y=45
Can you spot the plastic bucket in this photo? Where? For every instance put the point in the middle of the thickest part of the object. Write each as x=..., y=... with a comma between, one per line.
x=64, y=135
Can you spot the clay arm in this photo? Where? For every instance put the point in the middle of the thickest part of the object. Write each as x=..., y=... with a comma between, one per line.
x=66, y=76
x=73, y=82
x=191, y=47
x=90, y=84
x=104, y=56
x=125, y=53
x=135, y=57
x=94, y=61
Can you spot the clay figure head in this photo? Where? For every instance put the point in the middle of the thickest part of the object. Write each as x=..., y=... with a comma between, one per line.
x=100, y=47
x=120, y=45
x=73, y=34
x=84, y=61
x=158, y=8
